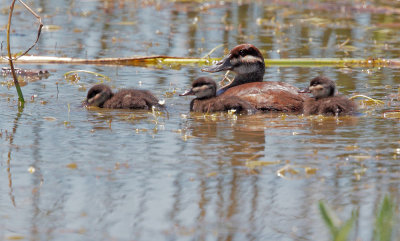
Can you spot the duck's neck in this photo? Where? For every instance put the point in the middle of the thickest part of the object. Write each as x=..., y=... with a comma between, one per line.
x=243, y=79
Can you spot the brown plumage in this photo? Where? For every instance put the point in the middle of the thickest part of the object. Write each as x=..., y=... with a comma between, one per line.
x=204, y=89
x=269, y=96
x=248, y=64
x=100, y=95
x=325, y=101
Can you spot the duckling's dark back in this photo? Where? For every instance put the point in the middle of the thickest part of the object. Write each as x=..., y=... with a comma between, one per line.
x=100, y=95
x=132, y=99
x=220, y=103
x=331, y=106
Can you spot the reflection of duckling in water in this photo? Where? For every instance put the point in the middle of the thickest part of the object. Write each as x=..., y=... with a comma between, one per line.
x=101, y=96
x=205, y=90
x=325, y=102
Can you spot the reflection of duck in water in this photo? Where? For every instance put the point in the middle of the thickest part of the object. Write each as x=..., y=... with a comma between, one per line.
x=205, y=90
x=248, y=64
x=325, y=102
x=101, y=96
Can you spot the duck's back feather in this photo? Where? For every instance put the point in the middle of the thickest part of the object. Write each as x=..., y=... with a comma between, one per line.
x=269, y=96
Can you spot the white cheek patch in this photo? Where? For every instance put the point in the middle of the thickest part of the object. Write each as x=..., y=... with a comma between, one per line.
x=247, y=64
x=316, y=88
x=318, y=91
x=97, y=99
x=203, y=91
x=250, y=59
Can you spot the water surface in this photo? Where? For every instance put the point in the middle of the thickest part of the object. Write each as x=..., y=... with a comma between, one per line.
x=71, y=173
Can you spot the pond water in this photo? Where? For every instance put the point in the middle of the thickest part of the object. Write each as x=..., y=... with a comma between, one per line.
x=71, y=173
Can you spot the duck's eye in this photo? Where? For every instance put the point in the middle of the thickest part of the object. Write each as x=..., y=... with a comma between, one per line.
x=241, y=52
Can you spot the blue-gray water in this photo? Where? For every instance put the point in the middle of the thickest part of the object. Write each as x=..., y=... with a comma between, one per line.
x=71, y=173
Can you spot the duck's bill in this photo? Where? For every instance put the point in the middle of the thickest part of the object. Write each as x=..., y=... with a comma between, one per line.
x=187, y=92
x=223, y=65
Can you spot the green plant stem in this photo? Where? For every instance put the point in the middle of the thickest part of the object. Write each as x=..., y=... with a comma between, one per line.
x=172, y=61
x=16, y=83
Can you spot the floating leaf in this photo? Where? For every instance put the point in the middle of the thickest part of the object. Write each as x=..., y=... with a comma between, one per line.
x=351, y=148
x=66, y=75
x=15, y=237
x=31, y=169
x=315, y=21
x=72, y=165
x=50, y=118
x=310, y=170
x=255, y=164
x=212, y=174
x=51, y=28
x=392, y=114
x=287, y=169
x=349, y=48
x=125, y=23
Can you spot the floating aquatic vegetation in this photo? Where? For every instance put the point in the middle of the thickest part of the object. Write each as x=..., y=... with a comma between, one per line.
x=392, y=114
x=177, y=62
x=290, y=171
x=49, y=118
x=31, y=169
x=72, y=165
x=73, y=77
x=259, y=164
x=124, y=23
x=51, y=28
x=358, y=173
x=368, y=100
x=16, y=237
x=25, y=72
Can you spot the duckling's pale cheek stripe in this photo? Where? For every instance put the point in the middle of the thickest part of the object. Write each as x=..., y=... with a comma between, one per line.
x=203, y=91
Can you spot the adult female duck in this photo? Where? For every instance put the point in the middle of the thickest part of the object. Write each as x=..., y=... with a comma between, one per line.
x=248, y=63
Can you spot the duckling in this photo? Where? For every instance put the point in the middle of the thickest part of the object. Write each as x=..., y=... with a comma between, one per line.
x=100, y=95
x=204, y=89
x=325, y=101
x=248, y=63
